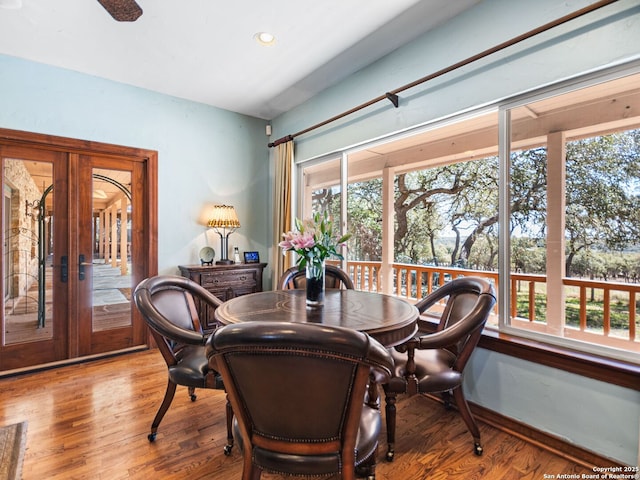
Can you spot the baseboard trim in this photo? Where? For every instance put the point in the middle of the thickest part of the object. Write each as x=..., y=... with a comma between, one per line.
x=70, y=361
x=541, y=439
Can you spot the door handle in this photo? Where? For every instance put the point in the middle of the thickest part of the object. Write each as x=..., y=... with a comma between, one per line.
x=64, y=269
x=81, y=266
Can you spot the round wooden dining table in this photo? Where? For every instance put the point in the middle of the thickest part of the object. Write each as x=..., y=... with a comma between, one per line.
x=390, y=320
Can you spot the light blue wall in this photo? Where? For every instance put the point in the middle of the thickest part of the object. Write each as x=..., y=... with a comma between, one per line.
x=592, y=414
x=604, y=37
x=598, y=416
x=205, y=155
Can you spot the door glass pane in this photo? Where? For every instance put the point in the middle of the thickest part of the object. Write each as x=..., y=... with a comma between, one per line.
x=364, y=217
x=322, y=194
x=111, y=262
x=27, y=250
x=322, y=189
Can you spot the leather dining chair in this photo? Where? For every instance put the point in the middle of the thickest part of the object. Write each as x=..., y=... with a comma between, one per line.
x=334, y=277
x=434, y=362
x=167, y=304
x=298, y=392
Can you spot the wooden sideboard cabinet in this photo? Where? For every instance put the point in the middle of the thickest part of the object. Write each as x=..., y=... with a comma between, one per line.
x=225, y=282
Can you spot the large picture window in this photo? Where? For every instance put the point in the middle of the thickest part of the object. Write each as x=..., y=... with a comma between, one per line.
x=564, y=248
x=575, y=216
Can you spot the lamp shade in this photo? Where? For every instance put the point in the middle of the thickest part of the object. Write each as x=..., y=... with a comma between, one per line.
x=224, y=216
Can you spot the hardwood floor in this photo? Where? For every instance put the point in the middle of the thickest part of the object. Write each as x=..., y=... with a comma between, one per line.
x=91, y=420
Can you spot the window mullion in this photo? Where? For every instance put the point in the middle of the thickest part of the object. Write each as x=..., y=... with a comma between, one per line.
x=504, y=214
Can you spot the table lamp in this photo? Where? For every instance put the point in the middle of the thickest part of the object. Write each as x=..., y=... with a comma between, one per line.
x=224, y=221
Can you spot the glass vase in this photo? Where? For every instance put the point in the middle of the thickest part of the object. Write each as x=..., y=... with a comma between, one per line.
x=315, y=284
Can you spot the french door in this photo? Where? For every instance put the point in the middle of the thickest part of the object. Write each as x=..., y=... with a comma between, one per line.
x=75, y=243
x=34, y=313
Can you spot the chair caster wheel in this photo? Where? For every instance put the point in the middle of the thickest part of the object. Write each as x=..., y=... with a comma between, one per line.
x=151, y=437
x=227, y=450
x=390, y=455
x=193, y=397
x=477, y=449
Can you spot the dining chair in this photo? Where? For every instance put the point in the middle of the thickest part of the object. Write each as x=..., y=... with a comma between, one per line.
x=298, y=391
x=334, y=277
x=434, y=362
x=167, y=304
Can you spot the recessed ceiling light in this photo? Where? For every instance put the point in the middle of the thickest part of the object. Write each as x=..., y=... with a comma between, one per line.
x=265, y=38
x=14, y=4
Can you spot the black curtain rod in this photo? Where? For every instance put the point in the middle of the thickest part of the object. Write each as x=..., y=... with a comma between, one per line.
x=393, y=94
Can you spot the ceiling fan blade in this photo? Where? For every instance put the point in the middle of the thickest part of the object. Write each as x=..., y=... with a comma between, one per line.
x=122, y=10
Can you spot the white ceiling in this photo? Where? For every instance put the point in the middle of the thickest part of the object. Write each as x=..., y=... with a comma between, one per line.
x=203, y=50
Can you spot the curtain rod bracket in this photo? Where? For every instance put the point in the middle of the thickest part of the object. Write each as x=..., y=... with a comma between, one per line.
x=393, y=98
x=280, y=140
